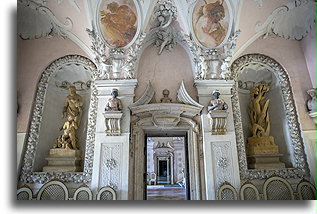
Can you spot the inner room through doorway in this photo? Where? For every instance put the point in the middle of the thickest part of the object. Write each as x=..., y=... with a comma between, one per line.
x=167, y=172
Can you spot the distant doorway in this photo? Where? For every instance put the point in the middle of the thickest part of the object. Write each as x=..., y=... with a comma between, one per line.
x=167, y=168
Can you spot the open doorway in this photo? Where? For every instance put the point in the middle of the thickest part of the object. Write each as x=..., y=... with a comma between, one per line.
x=167, y=168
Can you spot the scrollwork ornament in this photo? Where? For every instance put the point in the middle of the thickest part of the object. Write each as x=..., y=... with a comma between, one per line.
x=300, y=168
x=111, y=163
x=27, y=175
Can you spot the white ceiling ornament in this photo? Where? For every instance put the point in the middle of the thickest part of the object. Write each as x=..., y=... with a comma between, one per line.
x=72, y=3
x=36, y=21
x=293, y=20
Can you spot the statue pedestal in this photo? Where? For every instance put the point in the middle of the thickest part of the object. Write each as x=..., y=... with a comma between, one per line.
x=263, y=153
x=218, y=121
x=63, y=160
x=265, y=161
x=261, y=145
x=112, y=121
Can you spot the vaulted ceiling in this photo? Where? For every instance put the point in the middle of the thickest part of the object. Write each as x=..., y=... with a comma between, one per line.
x=290, y=19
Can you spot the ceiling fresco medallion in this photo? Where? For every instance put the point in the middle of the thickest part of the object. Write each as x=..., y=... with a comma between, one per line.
x=118, y=21
x=211, y=22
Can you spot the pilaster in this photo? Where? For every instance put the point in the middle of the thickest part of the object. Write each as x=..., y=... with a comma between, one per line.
x=111, y=153
x=220, y=151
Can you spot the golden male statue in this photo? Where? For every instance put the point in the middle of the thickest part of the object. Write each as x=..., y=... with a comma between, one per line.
x=72, y=111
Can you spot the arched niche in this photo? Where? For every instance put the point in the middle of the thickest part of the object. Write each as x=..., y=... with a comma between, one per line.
x=52, y=89
x=165, y=71
x=250, y=70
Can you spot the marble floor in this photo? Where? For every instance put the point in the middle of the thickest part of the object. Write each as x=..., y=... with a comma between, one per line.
x=165, y=192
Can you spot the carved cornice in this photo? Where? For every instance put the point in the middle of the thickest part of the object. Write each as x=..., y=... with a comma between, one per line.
x=146, y=97
x=27, y=173
x=293, y=20
x=300, y=169
x=183, y=96
x=166, y=108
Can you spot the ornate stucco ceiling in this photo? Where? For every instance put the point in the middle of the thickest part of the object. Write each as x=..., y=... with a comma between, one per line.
x=290, y=19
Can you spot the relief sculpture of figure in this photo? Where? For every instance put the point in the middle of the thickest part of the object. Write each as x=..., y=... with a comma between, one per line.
x=114, y=103
x=216, y=103
x=72, y=111
x=119, y=24
x=259, y=116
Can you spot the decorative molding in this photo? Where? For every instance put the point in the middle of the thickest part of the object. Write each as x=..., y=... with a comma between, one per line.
x=293, y=20
x=72, y=3
x=146, y=97
x=222, y=156
x=300, y=169
x=165, y=13
x=166, y=109
x=183, y=96
x=218, y=121
x=110, y=166
x=80, y=85
x=211, y=63
x=112, y=123
x=120, y=63
x=36, y=21
x=247, y=85
x=27, y=174
x=229, y=47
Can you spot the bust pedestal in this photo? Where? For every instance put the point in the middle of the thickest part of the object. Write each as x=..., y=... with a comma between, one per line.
x=218, y=121
x=112, y=120
x=63, y=160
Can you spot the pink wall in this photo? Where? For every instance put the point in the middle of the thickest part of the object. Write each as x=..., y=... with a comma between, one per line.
x=309, y=48
x=33, y=56
x=289, y=54
x=165, y=71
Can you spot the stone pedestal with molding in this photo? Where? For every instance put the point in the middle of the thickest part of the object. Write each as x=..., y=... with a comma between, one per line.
x=218, y=121
x=63, y=160
x=219, y=148
x=111, y=149
x=113, y=123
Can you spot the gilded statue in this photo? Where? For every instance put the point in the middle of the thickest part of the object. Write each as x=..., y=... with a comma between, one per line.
x=259, y=116
x=165, y=98
x=260, y=142
x=72, y=112
x=114, y=103
x=216, y=103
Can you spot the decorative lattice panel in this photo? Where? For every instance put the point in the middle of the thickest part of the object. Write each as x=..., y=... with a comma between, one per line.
x=278, y=190
x=53, y=192
x=23, y=195
x=227, y=194
x=249, y=194
x=307, y=193
x=82, y=195
x=106, y=195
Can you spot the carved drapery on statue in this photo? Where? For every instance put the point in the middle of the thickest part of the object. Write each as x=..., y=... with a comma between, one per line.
x=261, y=148
x=65, y=155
